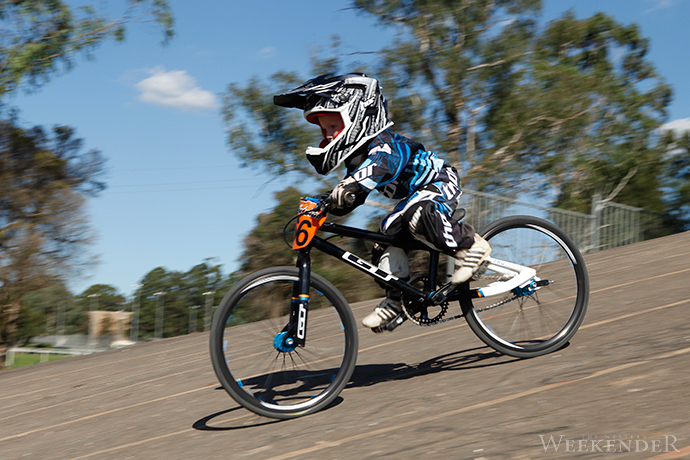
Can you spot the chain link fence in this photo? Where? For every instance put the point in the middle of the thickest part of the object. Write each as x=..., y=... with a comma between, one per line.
x=608, y=226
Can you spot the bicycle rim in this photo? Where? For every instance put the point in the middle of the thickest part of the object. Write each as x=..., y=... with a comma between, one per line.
x=523, y=323
x=262, y=373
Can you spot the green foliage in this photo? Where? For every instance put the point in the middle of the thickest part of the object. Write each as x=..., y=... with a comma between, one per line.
x=677, y=146
x=29, y=324
x=44, y=181
x=54, y=310
x=29, y=359
x=582, y=119
x=266, y=246
x=263, y=134
x=181, y=291
x=567, y=110
x=437, y=74
x=38, y=38
x=47, y=304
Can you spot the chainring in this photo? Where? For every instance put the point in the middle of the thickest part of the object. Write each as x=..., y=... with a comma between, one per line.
x=426, y=316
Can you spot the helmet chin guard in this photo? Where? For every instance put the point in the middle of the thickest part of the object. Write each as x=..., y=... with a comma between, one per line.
x=356, y=98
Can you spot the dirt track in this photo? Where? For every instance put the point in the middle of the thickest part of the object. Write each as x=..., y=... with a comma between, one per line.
x=432, y=393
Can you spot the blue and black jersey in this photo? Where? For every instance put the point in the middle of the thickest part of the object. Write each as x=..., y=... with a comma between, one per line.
x=396, y=166
x=402, y=169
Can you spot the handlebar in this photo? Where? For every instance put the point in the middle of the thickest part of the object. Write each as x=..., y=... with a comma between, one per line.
x=349, y=199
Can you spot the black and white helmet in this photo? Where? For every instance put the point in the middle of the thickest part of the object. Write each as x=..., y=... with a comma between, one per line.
x=356, y=98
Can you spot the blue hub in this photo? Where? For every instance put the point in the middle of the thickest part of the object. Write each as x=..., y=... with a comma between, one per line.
x=284, y=344
x=528, y=289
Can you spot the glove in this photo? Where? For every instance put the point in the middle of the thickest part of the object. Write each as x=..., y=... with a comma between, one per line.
x=340, y=198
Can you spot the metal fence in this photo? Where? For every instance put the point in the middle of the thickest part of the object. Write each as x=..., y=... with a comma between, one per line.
x=608, y=226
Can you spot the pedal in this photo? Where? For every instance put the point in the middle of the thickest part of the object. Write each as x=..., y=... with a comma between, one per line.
x=395, y=322
x=392, y=324
x=480, y=271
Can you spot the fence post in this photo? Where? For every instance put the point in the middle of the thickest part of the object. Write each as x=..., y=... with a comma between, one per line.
x=596, y=222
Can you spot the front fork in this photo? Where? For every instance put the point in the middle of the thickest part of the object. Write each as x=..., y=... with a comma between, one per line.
x=297, y=327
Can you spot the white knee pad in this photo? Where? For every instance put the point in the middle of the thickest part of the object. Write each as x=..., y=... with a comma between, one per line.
x=394, y=260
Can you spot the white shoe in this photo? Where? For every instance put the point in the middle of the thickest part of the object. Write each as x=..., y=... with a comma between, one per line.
x=467, y=261
x=386, y=312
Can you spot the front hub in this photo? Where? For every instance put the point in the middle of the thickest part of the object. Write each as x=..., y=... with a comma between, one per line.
x=284, y=342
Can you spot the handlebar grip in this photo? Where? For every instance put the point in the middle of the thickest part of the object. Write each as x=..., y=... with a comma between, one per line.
x=349, y=198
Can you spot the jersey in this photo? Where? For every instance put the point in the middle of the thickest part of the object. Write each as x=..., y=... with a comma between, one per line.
x=396, y=166
x=402, y=169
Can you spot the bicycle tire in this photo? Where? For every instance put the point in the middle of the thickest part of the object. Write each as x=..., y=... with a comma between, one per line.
x=282, y=383
x=529, y=325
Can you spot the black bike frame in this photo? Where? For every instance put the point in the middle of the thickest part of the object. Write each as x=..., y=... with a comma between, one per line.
x=298, y=315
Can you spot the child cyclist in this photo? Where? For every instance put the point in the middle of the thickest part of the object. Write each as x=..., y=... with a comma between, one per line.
x=353, y=116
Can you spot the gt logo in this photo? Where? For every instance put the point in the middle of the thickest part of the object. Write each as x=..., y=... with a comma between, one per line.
x=301, y=321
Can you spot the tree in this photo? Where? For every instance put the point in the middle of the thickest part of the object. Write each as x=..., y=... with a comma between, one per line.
x=677, y=146
x=566, y=110
x=266, y=246
x=181, y=290
x=583, y=120
x=44, y=180
x=38, y=38
x=53, y=304
x=275, y=138
x=435, y=73
x=570, y=110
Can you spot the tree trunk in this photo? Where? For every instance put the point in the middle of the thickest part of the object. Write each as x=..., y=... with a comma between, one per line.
x=8, y=318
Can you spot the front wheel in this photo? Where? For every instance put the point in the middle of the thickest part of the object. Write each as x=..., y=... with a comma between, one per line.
x=531, y=322
x=259, y=368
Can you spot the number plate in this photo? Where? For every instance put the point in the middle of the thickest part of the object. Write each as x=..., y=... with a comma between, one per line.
x=308, y=223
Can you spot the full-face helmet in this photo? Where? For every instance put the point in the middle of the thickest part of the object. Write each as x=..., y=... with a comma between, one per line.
x=355, y=98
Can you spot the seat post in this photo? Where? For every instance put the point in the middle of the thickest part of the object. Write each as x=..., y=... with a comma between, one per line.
x=432, y=271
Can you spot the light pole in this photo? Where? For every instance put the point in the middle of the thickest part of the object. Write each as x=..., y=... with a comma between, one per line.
x=91, y=318
x=159, y=315
x=209, y=304
x=192, y=318
x=60, y=320
x=134, y=327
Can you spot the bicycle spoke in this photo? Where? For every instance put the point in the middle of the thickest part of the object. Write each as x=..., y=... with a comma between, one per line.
x=268, y=375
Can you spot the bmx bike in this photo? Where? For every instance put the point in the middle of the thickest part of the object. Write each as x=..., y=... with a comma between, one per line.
x=284, y=340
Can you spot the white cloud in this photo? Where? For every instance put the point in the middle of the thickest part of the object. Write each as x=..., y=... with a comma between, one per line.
x=659, y=5
x=268, y=52
x=680, y=125
x=175, y=89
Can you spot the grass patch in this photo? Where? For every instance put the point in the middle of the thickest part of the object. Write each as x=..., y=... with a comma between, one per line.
x=28, y=359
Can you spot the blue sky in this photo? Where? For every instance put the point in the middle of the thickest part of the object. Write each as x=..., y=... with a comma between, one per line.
x=176, y=194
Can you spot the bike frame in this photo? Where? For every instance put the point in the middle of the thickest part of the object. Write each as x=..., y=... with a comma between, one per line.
x=433, y=296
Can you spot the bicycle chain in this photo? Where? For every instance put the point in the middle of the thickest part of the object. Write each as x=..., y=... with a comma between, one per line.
x=439, y=319
x=502, y=302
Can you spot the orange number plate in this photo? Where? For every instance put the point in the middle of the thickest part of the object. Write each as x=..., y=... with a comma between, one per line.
x=307, y=224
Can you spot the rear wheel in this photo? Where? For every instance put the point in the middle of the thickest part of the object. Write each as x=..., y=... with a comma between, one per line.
x=531, y=321
x=260, y=367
